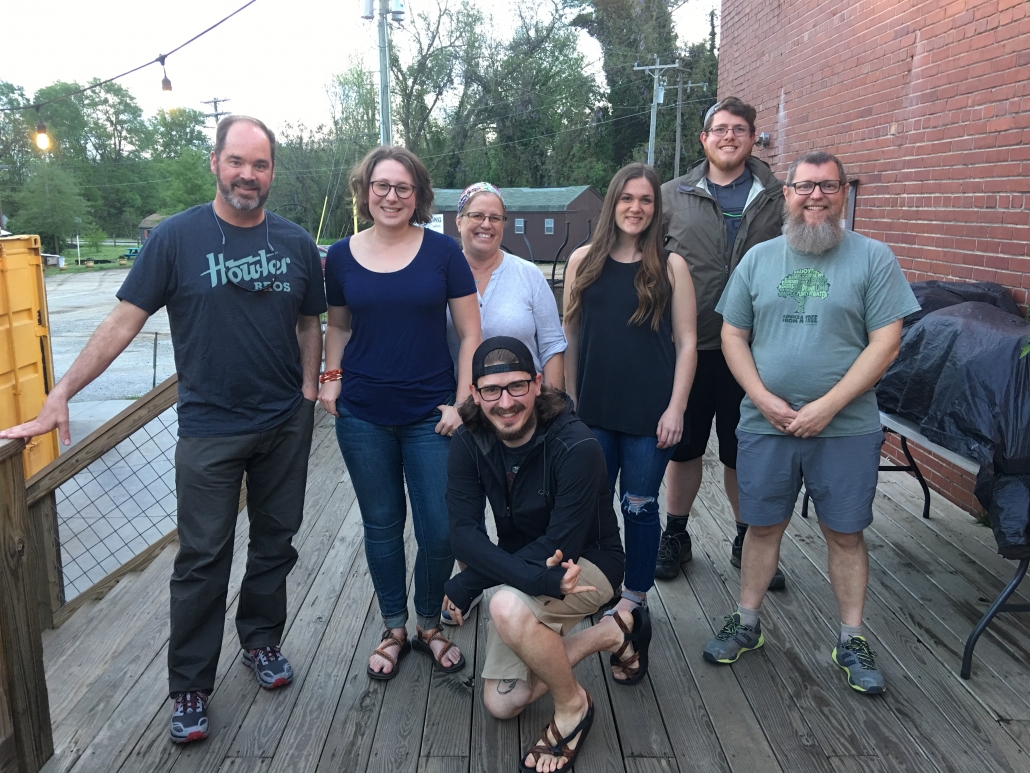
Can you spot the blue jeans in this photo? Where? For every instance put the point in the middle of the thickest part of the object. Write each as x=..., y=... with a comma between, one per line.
x=380, y=458
x=642, y=466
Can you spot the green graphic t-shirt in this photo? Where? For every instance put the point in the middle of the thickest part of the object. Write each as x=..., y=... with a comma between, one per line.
x=810, y=316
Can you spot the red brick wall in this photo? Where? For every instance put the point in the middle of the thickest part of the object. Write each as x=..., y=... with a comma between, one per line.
x=927, y=103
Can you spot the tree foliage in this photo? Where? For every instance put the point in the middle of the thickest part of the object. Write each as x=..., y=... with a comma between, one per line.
x=48, y=205
x=476, y=98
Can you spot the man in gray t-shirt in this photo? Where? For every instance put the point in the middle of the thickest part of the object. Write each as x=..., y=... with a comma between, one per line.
x=811, y=320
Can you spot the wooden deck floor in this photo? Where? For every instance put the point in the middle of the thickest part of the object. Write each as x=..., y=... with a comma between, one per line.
x=784, y=708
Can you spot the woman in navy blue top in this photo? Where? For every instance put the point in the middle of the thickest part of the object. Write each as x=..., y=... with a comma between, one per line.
x=389, y=288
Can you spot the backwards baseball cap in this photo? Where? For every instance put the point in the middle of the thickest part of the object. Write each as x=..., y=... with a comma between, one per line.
x=711, y=111
x=523, y=358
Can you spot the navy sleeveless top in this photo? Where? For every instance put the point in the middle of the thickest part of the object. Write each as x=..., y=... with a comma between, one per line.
x=624, y=372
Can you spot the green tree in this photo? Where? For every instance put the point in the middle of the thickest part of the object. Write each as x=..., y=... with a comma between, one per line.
x=802, y=284
x=95, y=238
x=48, y=204
x=15, y=144
x=176, y=130
x=188, y=181
x=632, y=32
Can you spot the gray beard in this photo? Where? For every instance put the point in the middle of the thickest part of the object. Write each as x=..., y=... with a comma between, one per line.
x=237, y=203
x=812, y=239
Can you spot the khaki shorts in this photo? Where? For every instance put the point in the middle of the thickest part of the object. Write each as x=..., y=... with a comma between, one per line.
x=561, y=616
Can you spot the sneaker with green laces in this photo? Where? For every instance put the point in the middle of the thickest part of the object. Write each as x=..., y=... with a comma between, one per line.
x=733, y=641
x=859, y=661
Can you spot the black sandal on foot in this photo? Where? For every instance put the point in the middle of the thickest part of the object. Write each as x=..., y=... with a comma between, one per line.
x=389, y=640
x=560, y=746
x=423, y=640
x=640, y=638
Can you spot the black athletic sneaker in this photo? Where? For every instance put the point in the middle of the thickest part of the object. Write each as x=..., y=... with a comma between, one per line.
x=673, y=551
x=778, y=582
x=189, y=717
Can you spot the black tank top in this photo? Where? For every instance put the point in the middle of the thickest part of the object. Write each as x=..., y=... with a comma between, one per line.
x=624, y=372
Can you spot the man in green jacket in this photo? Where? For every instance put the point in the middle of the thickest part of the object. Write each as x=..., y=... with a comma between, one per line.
x=713, y=215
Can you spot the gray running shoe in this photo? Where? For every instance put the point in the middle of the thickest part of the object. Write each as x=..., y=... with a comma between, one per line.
x=733, y=641
x=445, y=616
x=859, y=661
x=270, y=666
x=189, y=717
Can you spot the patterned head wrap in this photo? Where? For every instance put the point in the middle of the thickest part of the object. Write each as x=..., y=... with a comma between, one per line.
x=475, y=188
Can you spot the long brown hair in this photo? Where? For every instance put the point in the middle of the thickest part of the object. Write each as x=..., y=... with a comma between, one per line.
x=652, y=280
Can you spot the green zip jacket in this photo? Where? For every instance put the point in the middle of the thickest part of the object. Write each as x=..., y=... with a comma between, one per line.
x=695, y=229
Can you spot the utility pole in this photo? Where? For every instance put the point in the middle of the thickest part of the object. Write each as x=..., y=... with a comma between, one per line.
x=679, y=118
x=216, y=113
x=655, y=71
x=389, y=10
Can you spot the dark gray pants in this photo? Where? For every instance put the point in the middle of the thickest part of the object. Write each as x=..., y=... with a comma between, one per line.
x=208, y=476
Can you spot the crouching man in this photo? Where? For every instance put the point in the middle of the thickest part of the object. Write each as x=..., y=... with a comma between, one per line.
x=558, y=554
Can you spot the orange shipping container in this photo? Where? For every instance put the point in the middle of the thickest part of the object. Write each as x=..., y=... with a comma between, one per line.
x=26, y=365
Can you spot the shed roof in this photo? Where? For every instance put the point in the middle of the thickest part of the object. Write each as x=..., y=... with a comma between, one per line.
x=517, y=199
x=152, y=220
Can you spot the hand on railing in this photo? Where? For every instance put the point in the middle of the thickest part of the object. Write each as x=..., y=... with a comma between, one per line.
x=54, y=413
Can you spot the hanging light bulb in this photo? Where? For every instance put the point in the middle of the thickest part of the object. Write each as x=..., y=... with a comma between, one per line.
x=42, y=140
x=166, y=83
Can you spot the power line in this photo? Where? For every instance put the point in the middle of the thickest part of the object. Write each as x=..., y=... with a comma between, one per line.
x=159, y=60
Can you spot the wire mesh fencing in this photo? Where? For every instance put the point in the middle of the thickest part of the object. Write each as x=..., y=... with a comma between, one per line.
x=119, y=505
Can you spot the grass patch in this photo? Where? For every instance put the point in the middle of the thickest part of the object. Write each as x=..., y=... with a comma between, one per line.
x=108, y=252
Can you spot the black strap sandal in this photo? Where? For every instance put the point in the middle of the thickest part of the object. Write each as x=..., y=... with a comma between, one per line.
x=389, y=640
x=421, y=644
x=640, y=638
x=560, y=746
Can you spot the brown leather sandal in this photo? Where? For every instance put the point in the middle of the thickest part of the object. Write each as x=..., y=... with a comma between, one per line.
x=556, y=746
x=423, y=640
x=389, y=640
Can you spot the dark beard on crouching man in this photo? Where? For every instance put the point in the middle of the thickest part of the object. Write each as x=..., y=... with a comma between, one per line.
x=812, y=239
x=548, y=406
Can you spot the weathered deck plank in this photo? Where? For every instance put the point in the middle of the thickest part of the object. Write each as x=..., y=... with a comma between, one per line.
x=785, y=708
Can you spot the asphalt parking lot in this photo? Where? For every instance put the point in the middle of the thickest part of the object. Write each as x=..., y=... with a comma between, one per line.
x=77, y=304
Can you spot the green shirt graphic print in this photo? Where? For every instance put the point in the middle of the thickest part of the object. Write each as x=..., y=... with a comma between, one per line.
x=810, y=317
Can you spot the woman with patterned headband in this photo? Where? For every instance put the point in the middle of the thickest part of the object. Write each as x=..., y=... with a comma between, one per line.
x=514, y=298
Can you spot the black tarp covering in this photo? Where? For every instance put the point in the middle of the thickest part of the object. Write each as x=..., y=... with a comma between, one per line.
x=934, y=295
x=959, y=376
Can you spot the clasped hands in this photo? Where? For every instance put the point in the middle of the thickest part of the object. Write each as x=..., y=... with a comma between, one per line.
x=569, y=584
x=805, y=423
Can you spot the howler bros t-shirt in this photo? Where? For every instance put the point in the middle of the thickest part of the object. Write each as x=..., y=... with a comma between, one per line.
x=233, y=297
x=810, y=318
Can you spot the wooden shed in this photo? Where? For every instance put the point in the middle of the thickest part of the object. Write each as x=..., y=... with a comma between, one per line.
x=147, y=225
x=537, y=218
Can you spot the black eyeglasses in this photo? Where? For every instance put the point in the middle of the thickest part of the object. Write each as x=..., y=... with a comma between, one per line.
x=807, y=186
x=515, y=389
x=382, y=188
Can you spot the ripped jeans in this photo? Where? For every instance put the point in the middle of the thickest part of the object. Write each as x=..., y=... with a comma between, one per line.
x=639, y=464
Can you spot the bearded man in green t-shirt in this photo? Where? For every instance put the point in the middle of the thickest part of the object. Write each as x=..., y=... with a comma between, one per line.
x=811, y=321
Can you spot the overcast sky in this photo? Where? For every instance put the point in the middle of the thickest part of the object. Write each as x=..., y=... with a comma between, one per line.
x=273, y=60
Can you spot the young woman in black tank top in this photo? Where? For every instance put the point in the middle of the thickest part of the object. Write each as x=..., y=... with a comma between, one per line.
x=630, y=321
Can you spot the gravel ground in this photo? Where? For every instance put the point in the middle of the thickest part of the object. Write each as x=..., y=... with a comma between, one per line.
x=77, y=304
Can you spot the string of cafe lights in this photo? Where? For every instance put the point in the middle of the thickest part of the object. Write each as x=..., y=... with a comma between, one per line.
x=43, y=140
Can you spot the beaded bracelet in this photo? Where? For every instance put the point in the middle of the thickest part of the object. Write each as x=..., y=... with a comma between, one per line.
x=330, y=375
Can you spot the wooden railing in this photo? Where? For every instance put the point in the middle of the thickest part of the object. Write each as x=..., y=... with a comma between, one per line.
x=31, y=581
